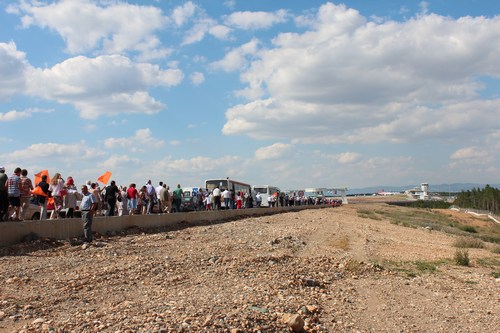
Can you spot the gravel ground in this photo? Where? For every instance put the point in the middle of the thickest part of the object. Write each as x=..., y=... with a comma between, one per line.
x=326, y=270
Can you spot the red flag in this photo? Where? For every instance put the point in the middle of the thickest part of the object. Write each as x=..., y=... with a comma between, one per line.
x=38, y=191
x=38, y=176
x=104, y=178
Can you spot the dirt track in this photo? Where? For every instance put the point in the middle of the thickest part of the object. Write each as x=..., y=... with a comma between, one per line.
x=334, y=269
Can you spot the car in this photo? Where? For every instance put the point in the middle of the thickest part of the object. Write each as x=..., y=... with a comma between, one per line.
x=33, y=212
x=188, y=203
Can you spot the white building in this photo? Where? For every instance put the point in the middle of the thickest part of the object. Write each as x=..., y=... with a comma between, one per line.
x=421, y=192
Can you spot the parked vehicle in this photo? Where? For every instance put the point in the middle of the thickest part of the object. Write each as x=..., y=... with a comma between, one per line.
x=266, y=192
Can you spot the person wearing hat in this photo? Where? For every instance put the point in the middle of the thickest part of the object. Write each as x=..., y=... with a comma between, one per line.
x=4, y=198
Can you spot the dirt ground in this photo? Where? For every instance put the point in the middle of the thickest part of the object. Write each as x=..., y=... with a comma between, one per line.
x=324, y=270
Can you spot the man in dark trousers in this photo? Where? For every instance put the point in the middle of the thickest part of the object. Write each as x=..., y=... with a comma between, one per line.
x=42, y=199
x=112, y=193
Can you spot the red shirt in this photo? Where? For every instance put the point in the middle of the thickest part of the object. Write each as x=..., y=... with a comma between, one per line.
x=132, y=193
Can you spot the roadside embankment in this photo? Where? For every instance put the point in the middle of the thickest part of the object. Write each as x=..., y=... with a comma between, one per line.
x=16, y=232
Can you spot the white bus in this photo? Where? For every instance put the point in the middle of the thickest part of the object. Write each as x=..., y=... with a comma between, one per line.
x=265, y=192
x=226, y=183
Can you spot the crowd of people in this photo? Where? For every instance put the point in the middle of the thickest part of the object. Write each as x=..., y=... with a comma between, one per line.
x=61, y=198
x=18, y=193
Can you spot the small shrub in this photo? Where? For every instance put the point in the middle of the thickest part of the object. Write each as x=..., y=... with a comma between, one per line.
x=368, y=214
x=462, y=257
x=491, y=262
x=340, y=243
x=496, y=250
x=469, y=242
x=469, y=228
x=425, y=266
x=354, y=266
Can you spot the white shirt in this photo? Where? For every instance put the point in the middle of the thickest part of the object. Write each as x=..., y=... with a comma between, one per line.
x=226, y=194
x=158, y=189
x=216, y=192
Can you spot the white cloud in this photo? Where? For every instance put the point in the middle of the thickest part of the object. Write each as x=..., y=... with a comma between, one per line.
x=342, y=158
x=256, y=20
x=119, y=162
x=181, y=14
x=230, y=4
x=275, y=151
x=198, y=31
x=197, y=78
x=13, y=66
x=237, y=58
x=142, y=138
x=201, y=166
x=347, y=80
x=106, y=85
x=469, y=153
x=220, y=31
x=348, y=157
x=85, y=25
x=474, y=161
x=202, y=26
x=14, y=115
x=56, y=151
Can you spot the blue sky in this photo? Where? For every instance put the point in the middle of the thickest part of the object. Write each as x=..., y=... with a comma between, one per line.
x=291, y=93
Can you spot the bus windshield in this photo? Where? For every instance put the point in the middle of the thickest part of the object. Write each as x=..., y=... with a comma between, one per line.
x=261, y=190
x=213, y=183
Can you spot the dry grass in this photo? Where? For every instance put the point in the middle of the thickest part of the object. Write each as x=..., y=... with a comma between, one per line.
x=468, y=242
x=342, y=242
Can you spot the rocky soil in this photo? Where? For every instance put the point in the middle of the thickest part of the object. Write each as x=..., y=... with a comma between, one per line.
x=325, y=270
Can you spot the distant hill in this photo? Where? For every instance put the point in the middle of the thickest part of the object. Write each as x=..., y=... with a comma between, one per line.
x=456, y=187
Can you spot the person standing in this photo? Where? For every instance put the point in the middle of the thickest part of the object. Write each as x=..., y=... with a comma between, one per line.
x=168, y=202
x=161, y=204
x=208, y=201
x=4, y=197
x=152, y=197
x=96, y=191
x=56, y=189
x=258, y=199
x=88, y=207
x=42, y=199
x=163, y=198
x=26, y=188
x=178, y=194
x=70, y=199
x=123, y=204
x=112, y=193
x=239, y=200
x=13, y=185
x=132, y=199
x=143, y=199
x=200, y=205
x=227, y=197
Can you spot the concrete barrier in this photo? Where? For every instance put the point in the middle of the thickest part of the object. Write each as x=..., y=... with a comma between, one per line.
x=16, y=232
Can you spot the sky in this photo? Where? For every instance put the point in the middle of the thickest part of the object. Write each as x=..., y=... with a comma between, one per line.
x=294, y=94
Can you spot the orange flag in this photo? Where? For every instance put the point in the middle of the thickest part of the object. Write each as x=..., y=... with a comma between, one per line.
x=38, y=176
x=38, y=191
x=104, y=178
